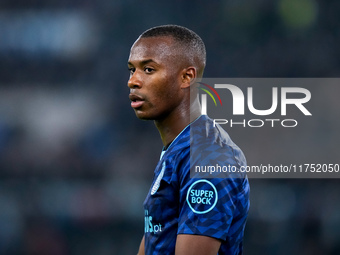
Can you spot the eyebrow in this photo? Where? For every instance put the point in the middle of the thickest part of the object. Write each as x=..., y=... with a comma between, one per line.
x=144, y=62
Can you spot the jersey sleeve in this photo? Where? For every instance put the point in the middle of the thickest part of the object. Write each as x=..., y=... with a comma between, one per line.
x=214, y=207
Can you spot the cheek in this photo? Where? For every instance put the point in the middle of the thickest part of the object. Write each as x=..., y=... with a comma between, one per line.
x=165, y=90
x=170, y=91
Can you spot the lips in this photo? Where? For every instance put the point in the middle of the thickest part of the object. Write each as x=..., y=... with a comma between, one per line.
x=136, y=100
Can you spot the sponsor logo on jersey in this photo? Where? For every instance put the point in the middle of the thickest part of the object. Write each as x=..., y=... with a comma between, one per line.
x=149, y=226
x=202, y=196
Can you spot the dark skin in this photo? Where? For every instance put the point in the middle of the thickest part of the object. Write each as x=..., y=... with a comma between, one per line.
x=160, y=83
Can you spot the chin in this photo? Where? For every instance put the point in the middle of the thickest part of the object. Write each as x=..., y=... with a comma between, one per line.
x=143, y=116
x=150, y=115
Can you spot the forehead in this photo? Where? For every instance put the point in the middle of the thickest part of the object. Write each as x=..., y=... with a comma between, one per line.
x=158, y=49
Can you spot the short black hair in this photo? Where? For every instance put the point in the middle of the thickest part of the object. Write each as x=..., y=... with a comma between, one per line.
x=191, y=43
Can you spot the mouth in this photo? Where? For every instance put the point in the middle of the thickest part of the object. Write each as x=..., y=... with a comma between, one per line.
x=136, y=101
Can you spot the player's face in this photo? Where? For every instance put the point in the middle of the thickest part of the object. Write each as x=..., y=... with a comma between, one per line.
x=155, y=78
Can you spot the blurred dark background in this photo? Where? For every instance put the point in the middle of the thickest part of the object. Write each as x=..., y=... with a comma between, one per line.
x=75, y=162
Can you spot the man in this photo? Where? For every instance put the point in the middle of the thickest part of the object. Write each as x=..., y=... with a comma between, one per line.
x=184, y=215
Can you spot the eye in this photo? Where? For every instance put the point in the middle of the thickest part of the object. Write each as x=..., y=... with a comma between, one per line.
x=131, y=70
x=148, y=70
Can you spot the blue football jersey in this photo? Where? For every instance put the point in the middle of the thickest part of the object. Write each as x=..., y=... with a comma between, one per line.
x=197, y=203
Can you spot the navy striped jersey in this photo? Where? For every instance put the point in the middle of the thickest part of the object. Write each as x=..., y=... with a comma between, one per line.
x=200, y=204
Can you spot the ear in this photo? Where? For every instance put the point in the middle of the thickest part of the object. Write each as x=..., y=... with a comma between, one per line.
x=188, y=76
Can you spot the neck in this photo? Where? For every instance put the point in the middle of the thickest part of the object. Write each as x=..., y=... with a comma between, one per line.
x=170, y=127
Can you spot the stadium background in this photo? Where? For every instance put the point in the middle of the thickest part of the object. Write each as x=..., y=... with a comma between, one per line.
x=75, y=163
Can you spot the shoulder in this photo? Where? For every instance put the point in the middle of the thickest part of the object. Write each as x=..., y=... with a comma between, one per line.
x=210, y=142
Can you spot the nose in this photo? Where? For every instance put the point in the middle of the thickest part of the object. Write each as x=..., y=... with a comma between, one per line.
x=134, y=81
